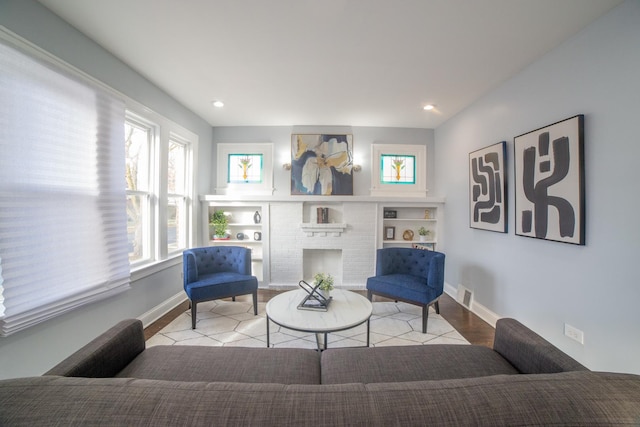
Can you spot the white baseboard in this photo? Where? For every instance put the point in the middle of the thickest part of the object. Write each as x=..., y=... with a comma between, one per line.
x=161, y=309
x=476, y=308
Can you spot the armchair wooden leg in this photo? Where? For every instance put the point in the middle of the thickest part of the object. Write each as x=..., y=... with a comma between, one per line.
x=437, y=306
x=255, y=303
x=233, y=298
x=425, y=317
x=369, y=295
x=193, y=314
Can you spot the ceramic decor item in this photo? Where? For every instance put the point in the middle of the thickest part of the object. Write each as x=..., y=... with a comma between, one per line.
x=257, y=217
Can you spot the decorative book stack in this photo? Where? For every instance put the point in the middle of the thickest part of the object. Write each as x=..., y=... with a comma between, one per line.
x=323, y=215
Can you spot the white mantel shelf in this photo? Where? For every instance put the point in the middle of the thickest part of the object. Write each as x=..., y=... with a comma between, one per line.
x=325, y=199
x=323, y=230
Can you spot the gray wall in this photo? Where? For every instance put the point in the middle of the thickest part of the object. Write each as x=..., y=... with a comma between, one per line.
x=545, y=284
x=363, y=137
x=37, y=349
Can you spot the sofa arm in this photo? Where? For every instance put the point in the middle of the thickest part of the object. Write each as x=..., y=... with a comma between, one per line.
x=106, y=355
x=528, y=352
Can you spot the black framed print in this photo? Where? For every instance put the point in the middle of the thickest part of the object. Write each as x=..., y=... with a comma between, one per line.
x=488, y=188
x=549, y=182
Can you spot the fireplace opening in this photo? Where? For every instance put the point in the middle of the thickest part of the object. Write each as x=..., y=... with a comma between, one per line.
x=322, y=261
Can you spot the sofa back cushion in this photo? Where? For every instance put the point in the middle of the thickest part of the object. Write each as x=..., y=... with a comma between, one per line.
x=571, y=398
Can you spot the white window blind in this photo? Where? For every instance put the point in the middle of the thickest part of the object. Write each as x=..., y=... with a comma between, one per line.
x=63, y=240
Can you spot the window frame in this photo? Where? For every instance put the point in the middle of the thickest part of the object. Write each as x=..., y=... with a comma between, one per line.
x=383, y=189
x=185, y=195
x=150, y=193
x=166, y=131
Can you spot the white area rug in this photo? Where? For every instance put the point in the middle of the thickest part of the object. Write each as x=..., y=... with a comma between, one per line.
x=233, y=324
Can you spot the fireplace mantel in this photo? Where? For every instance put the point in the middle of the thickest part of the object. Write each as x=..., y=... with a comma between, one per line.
x=312, y=230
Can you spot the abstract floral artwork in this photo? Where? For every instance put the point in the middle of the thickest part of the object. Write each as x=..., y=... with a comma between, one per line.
x=487, y=188
x=321, y=164
x=549, y=182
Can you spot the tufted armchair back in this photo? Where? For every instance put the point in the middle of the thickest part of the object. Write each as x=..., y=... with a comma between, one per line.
x=215, y=259
x=415, y=262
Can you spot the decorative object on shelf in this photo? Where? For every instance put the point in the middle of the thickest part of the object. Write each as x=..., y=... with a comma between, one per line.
x=240, y=236
x=424, y=246
x=549, y=182
x=257, y=236
x=324, y=282
x=390, y=214
x=321, y=164
x=322, y=215
x=219, y=220
x=427, y=214
x=389, y=233
x=257, y=217
x=487, y=188
x=407, y=235
x=423, y=232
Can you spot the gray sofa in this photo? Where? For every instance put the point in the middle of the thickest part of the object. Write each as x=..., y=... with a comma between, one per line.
x=523, y=380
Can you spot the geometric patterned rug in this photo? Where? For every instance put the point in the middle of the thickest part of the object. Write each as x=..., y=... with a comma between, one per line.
x=223, y=323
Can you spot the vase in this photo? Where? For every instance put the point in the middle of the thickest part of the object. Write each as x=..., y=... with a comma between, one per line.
x=423, y=238
x=257, y=217
x=326, y=293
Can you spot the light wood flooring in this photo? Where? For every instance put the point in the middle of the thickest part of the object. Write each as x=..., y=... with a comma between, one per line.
x=474, y=329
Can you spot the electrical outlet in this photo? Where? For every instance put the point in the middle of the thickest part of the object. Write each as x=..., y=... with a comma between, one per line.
x=574, y=333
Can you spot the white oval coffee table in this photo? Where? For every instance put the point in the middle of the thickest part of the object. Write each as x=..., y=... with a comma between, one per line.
x=346, y=310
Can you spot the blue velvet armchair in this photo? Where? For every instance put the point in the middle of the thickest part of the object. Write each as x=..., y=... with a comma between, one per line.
x=410, y=275
x=218, y=272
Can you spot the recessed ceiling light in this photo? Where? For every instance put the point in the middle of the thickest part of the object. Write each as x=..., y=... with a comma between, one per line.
x=429, y=107
x=218, y=104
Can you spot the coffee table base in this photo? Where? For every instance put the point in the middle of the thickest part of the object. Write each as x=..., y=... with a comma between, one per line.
x=321, y=337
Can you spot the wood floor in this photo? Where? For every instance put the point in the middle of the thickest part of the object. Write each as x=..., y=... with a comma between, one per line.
x=470, y=326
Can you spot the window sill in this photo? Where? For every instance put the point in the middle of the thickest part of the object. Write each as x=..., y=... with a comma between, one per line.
x=146, y=270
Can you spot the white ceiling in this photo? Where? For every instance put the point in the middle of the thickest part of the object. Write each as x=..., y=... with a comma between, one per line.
x=328, y=62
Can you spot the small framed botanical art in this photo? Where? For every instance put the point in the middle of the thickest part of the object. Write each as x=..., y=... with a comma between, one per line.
x=487, y=188
x=389, y=233
x=549, y=182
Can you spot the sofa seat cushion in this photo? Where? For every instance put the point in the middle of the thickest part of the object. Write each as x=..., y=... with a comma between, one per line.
x=404, y=287
x=230, y=364
x=411, y=363
x=209, y=286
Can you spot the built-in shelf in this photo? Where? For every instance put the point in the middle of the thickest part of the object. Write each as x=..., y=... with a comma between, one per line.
x=293, y=245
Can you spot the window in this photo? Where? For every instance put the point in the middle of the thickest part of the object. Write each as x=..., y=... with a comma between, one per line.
x=178, y=195
x=245, y=168
x=397, y=169
x=158, y=185
x=63, y=218
x=139, y=138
